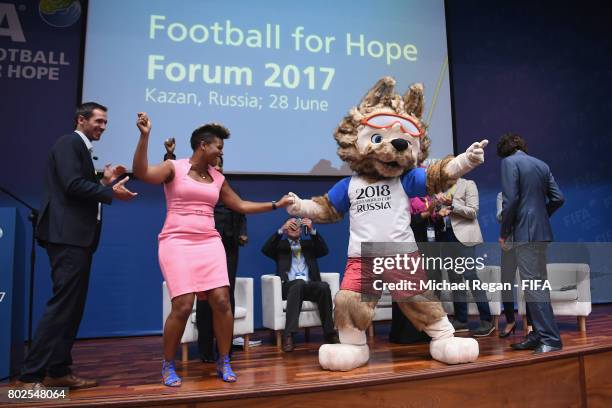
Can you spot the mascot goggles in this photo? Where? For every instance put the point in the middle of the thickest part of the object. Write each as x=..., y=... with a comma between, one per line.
x=387, y=120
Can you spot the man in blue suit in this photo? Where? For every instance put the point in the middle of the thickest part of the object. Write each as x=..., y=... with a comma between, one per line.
x=69, y=229
x=530, y=197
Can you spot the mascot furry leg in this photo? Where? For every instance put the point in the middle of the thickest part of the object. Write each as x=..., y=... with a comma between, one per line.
x=353, y=316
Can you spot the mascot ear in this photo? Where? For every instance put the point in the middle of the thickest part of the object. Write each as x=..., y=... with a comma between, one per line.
x=381, y=94
x=414, y=101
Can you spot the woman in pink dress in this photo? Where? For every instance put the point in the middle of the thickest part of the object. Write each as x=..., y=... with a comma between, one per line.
x=191, y=254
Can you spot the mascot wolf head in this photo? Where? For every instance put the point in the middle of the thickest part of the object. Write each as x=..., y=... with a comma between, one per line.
x=384, y=135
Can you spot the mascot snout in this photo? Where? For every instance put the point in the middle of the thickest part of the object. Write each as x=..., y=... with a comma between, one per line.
x=399, y=144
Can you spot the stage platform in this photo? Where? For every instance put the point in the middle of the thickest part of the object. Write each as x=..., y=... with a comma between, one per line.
x=128, y=370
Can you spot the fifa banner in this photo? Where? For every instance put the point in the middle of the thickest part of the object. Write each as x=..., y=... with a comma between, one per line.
x=12, y=290
x=39, y=69
x=40, y=45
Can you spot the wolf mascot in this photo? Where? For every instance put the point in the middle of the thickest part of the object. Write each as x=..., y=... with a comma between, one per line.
x=383, y=140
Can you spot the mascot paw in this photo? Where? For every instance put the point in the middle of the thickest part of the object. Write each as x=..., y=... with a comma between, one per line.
x=475, y=152
x=343, y=357
x=465, y=162
x=454, y=350
x=295, y=207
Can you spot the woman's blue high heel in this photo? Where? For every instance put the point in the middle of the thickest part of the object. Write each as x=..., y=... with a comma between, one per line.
x=169, y=375
x=224, y=370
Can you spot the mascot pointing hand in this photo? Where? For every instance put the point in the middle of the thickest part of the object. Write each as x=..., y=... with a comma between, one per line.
x=383, y=139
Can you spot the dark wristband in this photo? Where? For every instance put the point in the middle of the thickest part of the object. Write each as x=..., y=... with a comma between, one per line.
x=274, y=207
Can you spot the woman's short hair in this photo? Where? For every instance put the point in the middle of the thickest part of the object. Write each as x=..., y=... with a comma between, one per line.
x=510, y=143
x=207, y=133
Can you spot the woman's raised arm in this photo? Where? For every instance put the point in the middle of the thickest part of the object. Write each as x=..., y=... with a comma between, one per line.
x=157, y=174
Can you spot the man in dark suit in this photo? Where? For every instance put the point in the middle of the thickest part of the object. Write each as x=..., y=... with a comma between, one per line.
x=530, y=197
x=296, y=265
x=69, y=229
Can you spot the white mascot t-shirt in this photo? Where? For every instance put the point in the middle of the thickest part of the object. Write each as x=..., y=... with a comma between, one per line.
x=379, y=212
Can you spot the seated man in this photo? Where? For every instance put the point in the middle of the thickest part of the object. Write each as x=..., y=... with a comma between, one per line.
x=296, y=265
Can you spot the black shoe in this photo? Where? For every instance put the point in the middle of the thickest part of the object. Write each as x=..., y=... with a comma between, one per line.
x=527, y=344
x=288, y=345
x=545, y=348
x=484, y=329
x=332, y=338
x=507, y=332
x=459, y=326
x=208, y=358
x=208, y=354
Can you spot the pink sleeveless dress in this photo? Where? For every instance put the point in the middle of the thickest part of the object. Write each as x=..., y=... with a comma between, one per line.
x=191, y=254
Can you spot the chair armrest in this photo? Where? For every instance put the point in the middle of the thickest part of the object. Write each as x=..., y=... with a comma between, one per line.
x=243, y=294
x=191, y=331
x=272, y=299
x=166, y=303
x=491, y=274
x=583, y=282
x=333, y=280
x=241, y=291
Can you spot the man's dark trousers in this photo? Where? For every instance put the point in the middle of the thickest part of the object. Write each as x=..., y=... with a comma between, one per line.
x=531, y=259
x=50, y=352
x=298, y=290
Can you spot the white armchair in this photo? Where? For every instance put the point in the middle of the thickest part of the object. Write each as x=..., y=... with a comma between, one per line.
x=243, y=316
x=570, y=293
x=274, y=306
x=489, y=274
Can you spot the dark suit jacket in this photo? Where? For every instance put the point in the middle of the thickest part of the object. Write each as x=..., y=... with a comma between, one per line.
x=229, y=223
x=279, y=249
x=69, y=209
x=530, y=197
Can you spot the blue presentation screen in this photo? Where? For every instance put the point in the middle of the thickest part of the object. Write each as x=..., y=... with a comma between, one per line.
x=279, y=74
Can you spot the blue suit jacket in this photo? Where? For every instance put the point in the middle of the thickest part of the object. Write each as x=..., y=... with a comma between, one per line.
x=530, y=196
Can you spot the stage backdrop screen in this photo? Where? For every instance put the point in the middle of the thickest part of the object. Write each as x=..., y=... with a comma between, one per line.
x=279, y=74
